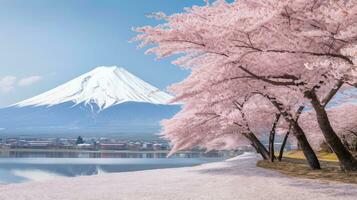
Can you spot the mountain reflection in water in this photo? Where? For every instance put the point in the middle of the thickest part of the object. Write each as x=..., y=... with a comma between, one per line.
x=24, y=166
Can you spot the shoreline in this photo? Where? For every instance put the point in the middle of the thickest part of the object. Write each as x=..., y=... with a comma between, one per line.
x=236, y=178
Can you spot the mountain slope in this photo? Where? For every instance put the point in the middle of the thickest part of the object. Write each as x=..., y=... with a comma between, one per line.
x=104, y=87
x=129, y=119
x=106, y=100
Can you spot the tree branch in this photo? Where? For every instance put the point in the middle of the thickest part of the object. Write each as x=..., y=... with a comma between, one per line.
x=332, y=93
x=292, y=79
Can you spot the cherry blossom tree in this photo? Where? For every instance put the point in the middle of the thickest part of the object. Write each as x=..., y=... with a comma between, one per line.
x=307, y=47
x=209, y=94
x=214, y=123
x=343, y=120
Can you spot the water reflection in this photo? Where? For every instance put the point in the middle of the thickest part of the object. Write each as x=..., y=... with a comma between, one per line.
x=17, y=166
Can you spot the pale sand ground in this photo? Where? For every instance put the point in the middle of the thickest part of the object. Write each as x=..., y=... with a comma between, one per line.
x=236, y=179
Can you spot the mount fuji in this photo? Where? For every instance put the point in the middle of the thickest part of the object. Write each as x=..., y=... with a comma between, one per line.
x=104, y=101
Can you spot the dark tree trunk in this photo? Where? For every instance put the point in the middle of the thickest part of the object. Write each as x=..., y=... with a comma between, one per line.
x=271, y=146
x=347, y=161
x=305, y=146
x=272, y=139
x=258, y=146
x=280, y=157
x=298, y=133
x=345, y=143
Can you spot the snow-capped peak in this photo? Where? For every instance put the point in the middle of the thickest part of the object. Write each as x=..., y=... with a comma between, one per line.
x=103, y=86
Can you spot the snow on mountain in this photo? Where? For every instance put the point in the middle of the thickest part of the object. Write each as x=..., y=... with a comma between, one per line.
x=103, y=86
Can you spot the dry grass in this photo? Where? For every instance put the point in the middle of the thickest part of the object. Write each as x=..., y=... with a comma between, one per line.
x=299, y=168
x=323, y=156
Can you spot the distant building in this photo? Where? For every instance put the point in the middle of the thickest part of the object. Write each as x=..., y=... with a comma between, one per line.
x=159, y=147
x=104, y=140
x=40, y=144
x=134, y=146
x=90, y=144
x=113, y=146
x=4, y=146
x=86, y=146
x=148, y=146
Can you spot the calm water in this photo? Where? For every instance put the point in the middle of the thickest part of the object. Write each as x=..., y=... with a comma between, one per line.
x=17, y=167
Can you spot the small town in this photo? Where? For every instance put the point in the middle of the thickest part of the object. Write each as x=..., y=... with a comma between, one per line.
x=80, y=143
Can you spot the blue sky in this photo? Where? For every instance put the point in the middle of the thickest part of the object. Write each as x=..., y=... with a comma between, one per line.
x=44, y=43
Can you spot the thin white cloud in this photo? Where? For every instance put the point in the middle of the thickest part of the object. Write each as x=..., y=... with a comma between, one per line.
x=7, y=83
x=29, y=80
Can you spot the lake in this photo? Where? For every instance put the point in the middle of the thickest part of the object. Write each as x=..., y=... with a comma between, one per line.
x=18, y=167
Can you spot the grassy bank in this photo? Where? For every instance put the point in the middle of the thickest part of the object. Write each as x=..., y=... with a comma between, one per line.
x=323, y=156
x=294, y=164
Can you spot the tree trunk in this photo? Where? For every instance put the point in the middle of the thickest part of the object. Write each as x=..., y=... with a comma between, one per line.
x=297, y=131
x=259, y=147
x=305, y=146
x=271, y=146
x=347, y=161
x=272, y=138
x=280, y=157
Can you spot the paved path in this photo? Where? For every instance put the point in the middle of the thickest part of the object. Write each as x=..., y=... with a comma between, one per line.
x=236, y=179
